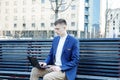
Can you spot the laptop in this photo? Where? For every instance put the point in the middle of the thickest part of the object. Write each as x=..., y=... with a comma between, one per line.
x=34, y=62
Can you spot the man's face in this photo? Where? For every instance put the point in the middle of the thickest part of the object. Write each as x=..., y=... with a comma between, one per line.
x=60, y=29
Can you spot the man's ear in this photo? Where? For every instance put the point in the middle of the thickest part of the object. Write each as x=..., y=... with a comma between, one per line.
x=65, y=27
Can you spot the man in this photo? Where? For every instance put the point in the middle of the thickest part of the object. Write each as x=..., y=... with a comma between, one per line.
x=63, y=57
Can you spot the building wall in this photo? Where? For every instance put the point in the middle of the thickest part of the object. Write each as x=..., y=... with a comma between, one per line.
x=113, y=23
x=34, y=18
x=95, y=31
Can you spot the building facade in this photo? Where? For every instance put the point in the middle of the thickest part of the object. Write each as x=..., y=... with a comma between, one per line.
x=108, y=7
x=95, y=31
x=34, y=19
x=113, y=23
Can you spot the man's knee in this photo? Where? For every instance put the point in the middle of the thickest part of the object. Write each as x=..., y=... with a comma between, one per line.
x=34, y=71
x=54, y=76
x=48, y=77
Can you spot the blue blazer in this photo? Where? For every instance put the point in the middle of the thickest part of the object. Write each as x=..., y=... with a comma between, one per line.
x=69, y=57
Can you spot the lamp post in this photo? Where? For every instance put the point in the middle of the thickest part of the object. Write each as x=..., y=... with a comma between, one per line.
x=106, y=16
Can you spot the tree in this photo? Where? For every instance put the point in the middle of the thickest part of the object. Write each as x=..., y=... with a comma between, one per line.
x=57, y=4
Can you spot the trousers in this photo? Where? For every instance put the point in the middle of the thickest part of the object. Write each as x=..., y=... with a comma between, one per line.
x=47, y=74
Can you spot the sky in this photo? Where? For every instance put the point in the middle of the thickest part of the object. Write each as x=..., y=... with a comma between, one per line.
x=96, y=8
x=96, y=11
x=113, y=4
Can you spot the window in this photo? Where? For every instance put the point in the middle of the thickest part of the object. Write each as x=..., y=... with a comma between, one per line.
x=33, y=17
x=86, y=16
x=24, y=10
x=119, y=36
x=51, y=34
x=33, y=2
x=8, y=33
x=15, y=18
x=42, y=9
x=6, y=18
x=31, y=33
x=72, y=23
x=119, y=23
x=23, y=17
x=73, y=7
x=15, y=10
x=114, y=23
x=62, y=7
x=52, y=16
x=24, y=25
x=6, y=11
x=86, y=9
x=42, y=1
x=72, y=15
x=6, y=3
x=25, y=33
x=42, y=24
x=86, y=27
x=117, y=16
x=24, y=2
x=111, y=16
x=15, y=3
x=6, y=25
x=86, y=1
x=119, y=29
x=64, y=0
x=52, y=0
x=15, y=25
x=33, y=24
x=52, y=24
x=33, y=9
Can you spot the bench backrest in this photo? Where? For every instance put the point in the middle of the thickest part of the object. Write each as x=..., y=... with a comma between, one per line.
x=98, y=57
x=13, y=54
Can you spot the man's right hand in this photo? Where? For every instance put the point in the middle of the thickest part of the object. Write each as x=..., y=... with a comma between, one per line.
x=43, y=64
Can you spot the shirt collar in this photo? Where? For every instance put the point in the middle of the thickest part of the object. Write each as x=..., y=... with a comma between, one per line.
x=64, y=37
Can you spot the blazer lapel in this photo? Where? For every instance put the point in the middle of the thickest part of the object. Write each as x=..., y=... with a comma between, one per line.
x=56, y=44
x=66, y=43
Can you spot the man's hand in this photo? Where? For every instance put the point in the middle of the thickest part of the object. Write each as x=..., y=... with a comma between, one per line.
x=55, y=68
x=43, y=64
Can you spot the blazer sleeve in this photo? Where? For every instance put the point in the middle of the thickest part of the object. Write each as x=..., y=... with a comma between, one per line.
x=49, y=59
x=74, y=58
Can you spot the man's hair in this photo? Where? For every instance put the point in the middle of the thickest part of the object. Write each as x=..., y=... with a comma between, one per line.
x=60, y=21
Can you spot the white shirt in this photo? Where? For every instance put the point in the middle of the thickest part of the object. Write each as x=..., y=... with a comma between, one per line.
x=59, y=50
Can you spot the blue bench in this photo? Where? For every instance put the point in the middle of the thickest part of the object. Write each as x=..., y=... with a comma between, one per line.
x=99, y=58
